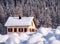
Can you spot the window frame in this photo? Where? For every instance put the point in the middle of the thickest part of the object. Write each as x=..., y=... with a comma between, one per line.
x=10, y=30
x=15, y=29
x=32, y=30
x=20, y=30
x=25, y=29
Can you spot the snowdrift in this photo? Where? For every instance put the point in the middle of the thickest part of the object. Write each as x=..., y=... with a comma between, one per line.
x=41, y=36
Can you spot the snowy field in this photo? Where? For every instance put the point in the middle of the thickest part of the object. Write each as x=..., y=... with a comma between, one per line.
x=41, y=36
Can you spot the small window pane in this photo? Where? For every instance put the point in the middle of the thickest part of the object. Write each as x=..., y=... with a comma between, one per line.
x=33, y=30
x=20, y=29
x=15, y=29
x=25, y=29
x=9, y=29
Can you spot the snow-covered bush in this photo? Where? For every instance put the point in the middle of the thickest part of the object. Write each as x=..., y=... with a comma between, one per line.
x=45, y=31
x=41, y=36
x=36, y=38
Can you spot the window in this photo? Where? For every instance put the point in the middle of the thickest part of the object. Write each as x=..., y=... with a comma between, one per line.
x=9, y=29
x=15, y=29
x=20, y=29
x=25, y=29
x=32, y=30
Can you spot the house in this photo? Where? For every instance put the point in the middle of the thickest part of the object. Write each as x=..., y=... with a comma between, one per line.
x=20, y=24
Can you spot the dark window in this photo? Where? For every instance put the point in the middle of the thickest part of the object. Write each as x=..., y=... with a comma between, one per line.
x=25, y=29
x=9, y=29
x=20, y=29
x=15, y=29
x=32, y=30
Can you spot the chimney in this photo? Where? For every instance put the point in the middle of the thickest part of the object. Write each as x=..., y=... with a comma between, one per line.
x=19, y=17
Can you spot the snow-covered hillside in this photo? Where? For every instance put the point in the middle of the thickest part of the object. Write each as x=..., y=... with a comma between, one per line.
x=41, y=36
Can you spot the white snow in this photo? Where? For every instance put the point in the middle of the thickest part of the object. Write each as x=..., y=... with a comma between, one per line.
x=3, y=38
x=45, y=31
x=58, y=27
x=24, y=21
x=57, y=31
x=40, y=42
x=52, y=38
x=24, y=36
x=55, y=42
x=35, y=38
x=13, y=39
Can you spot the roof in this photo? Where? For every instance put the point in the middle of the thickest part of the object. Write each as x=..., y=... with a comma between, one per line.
x=15, y=21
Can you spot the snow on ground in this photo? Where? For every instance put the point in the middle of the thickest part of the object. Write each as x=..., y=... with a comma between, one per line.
x=52, y=38
x=36, y=38
x=42, y=36
x=24, y=36
x=55, y=42
x=13, y=39
x=57, y=30
x=3, y=38
x=45, y=31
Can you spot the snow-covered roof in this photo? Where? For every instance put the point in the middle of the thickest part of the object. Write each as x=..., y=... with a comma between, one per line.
x=15, y=21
